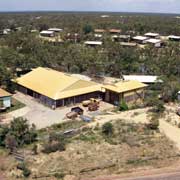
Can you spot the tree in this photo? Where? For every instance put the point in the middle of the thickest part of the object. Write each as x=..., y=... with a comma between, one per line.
x=3, y=132
x=87, y=29
x=17, y=134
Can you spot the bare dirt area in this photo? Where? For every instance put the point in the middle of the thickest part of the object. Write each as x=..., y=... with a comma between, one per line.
x=89, y=154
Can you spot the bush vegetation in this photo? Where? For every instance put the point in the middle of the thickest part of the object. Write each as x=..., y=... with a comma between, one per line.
x=17, y=134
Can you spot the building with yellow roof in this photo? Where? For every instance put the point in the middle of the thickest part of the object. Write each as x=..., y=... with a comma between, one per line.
x=55, y=88
x=129, y=91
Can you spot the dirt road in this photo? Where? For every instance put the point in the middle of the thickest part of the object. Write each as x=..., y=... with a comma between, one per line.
x=168, y=176
x=168, y=173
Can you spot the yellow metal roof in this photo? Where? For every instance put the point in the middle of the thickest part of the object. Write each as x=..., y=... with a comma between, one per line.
x=4, y=93
x=125, y=86
x=56, y=85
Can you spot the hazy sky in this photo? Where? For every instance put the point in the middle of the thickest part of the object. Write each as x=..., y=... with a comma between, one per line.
x=172, y=6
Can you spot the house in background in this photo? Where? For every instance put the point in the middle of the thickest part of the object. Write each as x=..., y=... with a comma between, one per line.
x=114, y=31
x=143, y=79
x=99, y=31
x=131, y=92
x=140, y=39
x=56, y=30
x=174, y=38
x=155, y=42
x=121, y=38
x=5, y=98
x=93, y=43
x=152, y=35
x=47, y=33
x=56, y=89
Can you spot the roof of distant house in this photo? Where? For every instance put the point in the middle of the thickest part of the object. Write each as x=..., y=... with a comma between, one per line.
x=47, y=32
x=99, y=30
x=56, y=85
x=98, y=35
x=4, y=93
x=128, y=44
x=142, y=78
x=153, y=41
x=173, y=37
x=115, y=30
x=140, y=38
x=55, y=29
x=151, y=34
x=125, y=86
x=93, y=42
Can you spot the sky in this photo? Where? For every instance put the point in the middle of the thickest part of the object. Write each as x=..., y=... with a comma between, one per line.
x=158, y=6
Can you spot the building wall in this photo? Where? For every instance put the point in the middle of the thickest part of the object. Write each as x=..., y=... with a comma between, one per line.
x=113, y=97
x=61, y=102
x=130, y=97
x=78, y=99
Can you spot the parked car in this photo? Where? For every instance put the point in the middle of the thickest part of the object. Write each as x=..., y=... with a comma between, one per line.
x=78, y=110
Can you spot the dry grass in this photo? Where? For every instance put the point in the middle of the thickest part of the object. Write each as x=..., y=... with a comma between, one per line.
x=91, y=153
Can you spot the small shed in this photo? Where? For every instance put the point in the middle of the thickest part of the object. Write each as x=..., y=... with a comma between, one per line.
x=5, y=98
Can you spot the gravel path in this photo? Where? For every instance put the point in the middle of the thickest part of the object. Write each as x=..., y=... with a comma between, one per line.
x=172, y=132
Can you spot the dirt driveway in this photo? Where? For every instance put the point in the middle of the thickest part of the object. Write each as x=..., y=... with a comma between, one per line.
x=43, y=116
x=37, y=113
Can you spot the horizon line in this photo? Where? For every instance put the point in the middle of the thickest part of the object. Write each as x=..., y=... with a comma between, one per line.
x=84, y=11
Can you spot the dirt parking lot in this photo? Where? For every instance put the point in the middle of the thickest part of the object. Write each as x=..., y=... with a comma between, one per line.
x=43, y=116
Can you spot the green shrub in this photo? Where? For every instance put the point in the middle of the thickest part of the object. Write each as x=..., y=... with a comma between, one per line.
x=107, y=129
x=123, y=106
x=55, y=143
x=24, y=169
x=154, y=123
x=159, y=107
